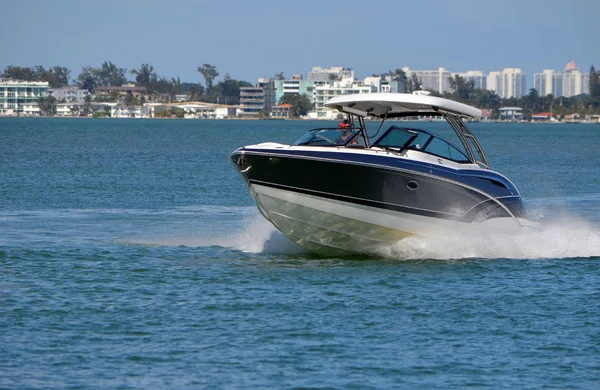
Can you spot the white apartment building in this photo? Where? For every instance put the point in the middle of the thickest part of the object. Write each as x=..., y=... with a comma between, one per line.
x=431, y=80
x=69, y=94
x=510, y=82
x=327, y=90
x=568, y=82
x=573, y=81
x=478, y=77
x=548, y=82
x=20, y=97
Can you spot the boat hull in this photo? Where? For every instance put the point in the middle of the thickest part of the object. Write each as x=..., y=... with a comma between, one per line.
x=332, y=204
x=332, y=227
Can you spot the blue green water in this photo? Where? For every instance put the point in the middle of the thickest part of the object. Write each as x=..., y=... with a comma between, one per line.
x=132, y=256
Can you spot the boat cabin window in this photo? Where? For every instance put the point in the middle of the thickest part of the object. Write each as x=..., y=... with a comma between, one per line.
x=331, y=137
x=400, y=139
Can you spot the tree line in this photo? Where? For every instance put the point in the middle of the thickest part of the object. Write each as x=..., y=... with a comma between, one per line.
x=56, y=76
x=159, y=88
x=227, y=90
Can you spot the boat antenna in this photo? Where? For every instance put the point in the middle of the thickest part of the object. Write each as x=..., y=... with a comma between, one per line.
x=380, y=126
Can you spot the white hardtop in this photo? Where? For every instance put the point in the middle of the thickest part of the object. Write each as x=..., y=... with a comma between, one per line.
x=399, y=104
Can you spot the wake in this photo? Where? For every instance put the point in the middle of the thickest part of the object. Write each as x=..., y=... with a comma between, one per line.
x=563, y=237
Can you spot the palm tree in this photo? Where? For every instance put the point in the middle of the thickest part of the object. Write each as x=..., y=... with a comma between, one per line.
x=209, y=72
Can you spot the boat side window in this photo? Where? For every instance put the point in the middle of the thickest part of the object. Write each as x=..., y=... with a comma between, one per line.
x=328, y=137
x=441, y=148
x=394, y=138
x=420, y=142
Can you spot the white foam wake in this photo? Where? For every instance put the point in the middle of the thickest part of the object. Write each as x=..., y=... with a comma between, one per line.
x=564, y=238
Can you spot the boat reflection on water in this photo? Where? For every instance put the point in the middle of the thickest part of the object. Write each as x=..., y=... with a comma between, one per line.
x=337, y=191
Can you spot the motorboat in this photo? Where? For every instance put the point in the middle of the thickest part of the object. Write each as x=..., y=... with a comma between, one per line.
x=351, y=190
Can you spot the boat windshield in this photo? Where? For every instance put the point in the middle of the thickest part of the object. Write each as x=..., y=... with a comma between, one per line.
x=330, y=137
x=400, y=139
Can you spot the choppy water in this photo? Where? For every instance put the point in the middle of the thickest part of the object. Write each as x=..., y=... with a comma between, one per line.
x=131, y=256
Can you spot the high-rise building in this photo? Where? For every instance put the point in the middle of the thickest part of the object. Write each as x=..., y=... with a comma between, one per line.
x=548, y=82
x=21, y=97
x=568, y=82
x=431, y=80
x=585, y=83
x=478, y=77
x=510, y=82
x=493, y=81
x=572, y=80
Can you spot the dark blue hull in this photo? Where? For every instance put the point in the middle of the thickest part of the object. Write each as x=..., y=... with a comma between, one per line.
x=383, y=182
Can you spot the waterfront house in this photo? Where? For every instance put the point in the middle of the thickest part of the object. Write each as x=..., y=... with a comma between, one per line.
x=68, y=109
x=542, y=117
x=69, y=94
x=125, y=89
x=572, y=117
x=511, y=113
x=282, y=111
x=486, y=115
x=196, y=110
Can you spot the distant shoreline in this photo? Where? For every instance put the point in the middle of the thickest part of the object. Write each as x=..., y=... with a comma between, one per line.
x=583, y=122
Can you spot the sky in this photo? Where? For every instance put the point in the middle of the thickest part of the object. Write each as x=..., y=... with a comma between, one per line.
x=252, y=39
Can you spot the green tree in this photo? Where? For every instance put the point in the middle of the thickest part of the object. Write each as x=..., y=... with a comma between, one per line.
x=111, y=75
x=88, y=79
x=594, y=99
x=199, y=89
x=166, y=89
x=399, y=75
x=87, y=104
x=412, y=84
x=209, y=72
x=594, y=82
x=193, y=94
x=301, y=104
x=462, y=89
x=145, y=75
x=58, y=76
x=47, y=105
x=230, y=90
x=18, y=73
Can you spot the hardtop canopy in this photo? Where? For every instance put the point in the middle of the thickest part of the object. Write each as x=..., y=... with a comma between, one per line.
x=391, y=105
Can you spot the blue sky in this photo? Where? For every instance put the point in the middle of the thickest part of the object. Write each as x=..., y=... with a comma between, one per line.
x=251, y=39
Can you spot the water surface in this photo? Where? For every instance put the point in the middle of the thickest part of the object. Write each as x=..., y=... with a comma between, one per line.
x=132, y=256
